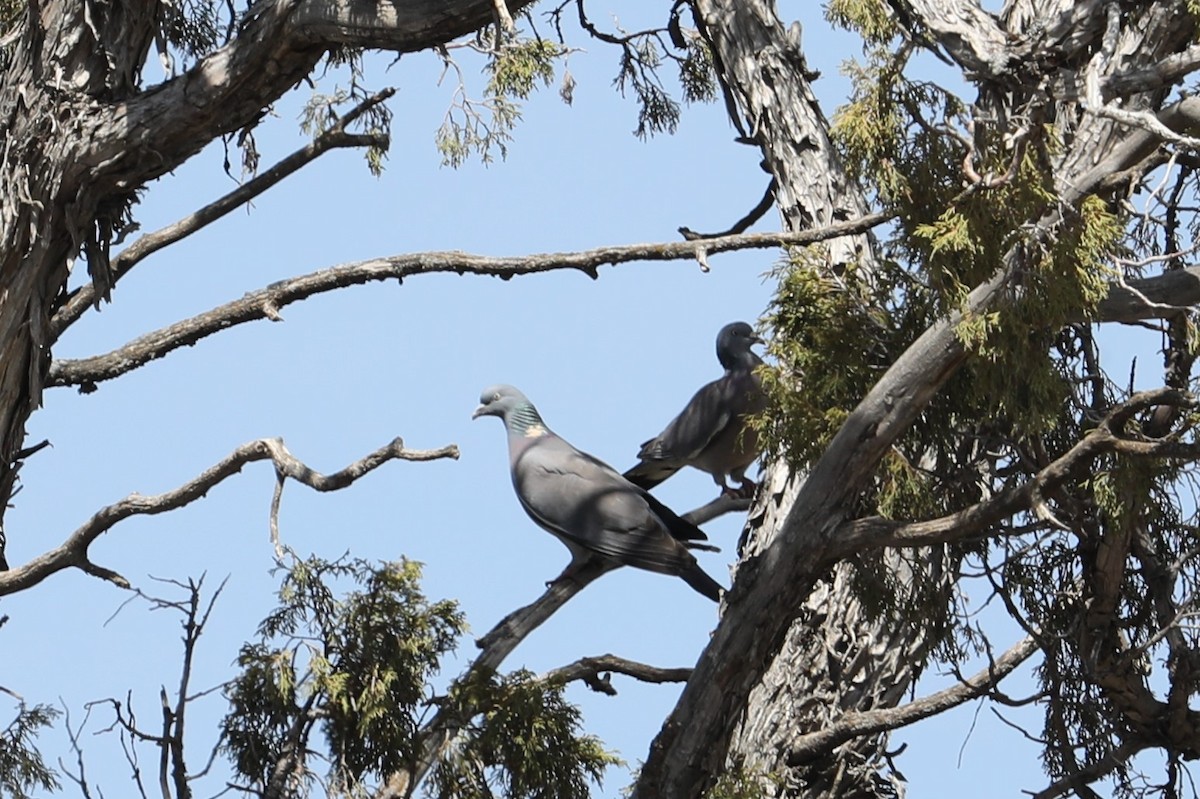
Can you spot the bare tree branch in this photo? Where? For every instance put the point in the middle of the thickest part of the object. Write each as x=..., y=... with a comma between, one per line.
x=79, y=779
x=1127, y=301
x=977, y=520
x=742, y=225
x=265, y=303
x=1153, y=298
x=1116, y=759
x=854, y=724
x=589, y=670
x=726, y=503
x=336, y=137
x=74, y=551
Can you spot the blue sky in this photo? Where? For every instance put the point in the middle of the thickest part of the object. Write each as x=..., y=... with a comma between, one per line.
x=607, y=362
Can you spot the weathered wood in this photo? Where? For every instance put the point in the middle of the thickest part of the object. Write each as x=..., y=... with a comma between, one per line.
x=753, y=689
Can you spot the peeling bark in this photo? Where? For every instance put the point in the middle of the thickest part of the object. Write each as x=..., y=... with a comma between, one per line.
x=794, y=648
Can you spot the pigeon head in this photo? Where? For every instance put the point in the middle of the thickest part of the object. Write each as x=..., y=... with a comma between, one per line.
x=733, y=346
x=513, y=407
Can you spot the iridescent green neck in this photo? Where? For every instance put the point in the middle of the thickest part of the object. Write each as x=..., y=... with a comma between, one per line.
x=524, y=420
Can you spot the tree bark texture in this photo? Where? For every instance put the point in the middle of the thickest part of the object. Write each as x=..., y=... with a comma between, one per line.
x=851, y=661
x=795, y=649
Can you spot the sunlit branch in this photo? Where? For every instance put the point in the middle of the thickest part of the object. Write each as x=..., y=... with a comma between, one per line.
x=336, y=137
x=726, y=503
x=74, y=551
x=1161, y=297
x=853, y=724
x=1093, y=99
x=266, y=303
x=979, y=518
x=590, y=669
x=1127, y=301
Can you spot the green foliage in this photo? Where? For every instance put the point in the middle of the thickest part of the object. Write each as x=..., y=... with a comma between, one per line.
x=906, y=140
x=22, y=769
x=742, y=783
x=697, y=75
x=658, y=112
x=521, y=66
x=871, y=18
x=522, y=742
x=195, y=27
x=357, y=664
x=888, y=141
x=474, y=127
x=817, y=320
x=323, y=111
x=360, y=664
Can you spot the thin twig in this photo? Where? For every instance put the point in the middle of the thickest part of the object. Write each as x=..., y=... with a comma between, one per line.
x=73, y=552
x=333, y=138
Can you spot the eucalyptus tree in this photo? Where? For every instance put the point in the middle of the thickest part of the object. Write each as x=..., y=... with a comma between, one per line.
x=942, y=418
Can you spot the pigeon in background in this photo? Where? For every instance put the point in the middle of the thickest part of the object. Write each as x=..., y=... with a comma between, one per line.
x=587, y=505
x=711, y=433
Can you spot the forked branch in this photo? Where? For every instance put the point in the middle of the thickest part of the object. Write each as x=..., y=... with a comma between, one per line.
x=977, y=520
x=337, y=136
x=266, y=303
x=74, y=551
x=596, y=672
x=854, y=724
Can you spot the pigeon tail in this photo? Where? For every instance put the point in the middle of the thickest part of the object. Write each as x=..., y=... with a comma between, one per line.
x=648, y=474
x=697, y=579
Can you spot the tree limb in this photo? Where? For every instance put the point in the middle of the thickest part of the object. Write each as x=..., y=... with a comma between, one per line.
x=976, y=520
x=335, y=137
x=589, y=669
x=1127, y=301
x=73, y=552
x=1116, y=759
x=854, y=724
x=279, y=42
x=265, y=303
x=725, y=503
x=771, y=584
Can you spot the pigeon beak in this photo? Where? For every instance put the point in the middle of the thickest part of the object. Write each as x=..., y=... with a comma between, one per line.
x=482, y=410
x=758, y=340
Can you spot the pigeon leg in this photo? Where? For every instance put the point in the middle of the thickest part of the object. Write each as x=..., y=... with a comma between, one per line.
x=748, y=489
x=568, y=573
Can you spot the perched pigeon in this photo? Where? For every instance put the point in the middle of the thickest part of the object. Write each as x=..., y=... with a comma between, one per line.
x=587, y=505
x=711, y=432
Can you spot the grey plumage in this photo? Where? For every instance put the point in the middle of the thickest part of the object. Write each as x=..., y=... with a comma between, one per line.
x=711, y=433
x=587, y=505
